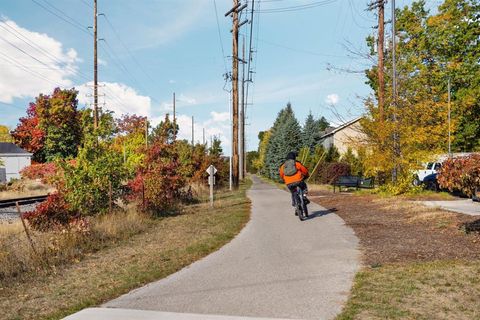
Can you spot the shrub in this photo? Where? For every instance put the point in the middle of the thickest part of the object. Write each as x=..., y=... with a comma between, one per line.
x=329, y=172
x=53, y=213
x=88, y=182
x=461, y=174
x=157, y=186
x=42, y=171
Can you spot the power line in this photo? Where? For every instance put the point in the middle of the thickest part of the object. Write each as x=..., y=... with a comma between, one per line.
x=71, y=22
x=298, y=7
x=220, y=37
x=126, y=48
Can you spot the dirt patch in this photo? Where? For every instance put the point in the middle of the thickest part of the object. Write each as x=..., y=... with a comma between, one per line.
x=393, y=230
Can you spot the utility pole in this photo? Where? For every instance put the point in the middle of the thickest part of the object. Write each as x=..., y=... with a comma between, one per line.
x=174, y=120
x=396, y=138
x=242, y=116
x=237, y=7
x=380, y=5
x=449, y=120
x=95, y=67
x=193, y=132
x=146, y=132
x=203, y=140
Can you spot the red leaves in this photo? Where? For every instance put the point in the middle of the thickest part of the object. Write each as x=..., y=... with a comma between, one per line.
x=28, y=135
x=53, y=213
x=461, y=174
x=158, y=183
x=42, y=171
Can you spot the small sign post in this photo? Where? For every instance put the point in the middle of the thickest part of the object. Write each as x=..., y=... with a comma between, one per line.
x=211, y=181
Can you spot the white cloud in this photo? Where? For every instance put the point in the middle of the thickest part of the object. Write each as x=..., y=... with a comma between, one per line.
x=23, y=76
x=187, y=100
x=220, y=116
x=332, y=99
x=171, y=81
x=117, y=97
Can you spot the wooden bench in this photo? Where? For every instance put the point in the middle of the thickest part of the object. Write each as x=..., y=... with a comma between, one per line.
x=353, y=182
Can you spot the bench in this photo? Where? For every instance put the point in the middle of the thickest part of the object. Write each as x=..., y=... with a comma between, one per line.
x=353, y=181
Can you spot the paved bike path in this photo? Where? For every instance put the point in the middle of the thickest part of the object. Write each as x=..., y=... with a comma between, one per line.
x=277, y=267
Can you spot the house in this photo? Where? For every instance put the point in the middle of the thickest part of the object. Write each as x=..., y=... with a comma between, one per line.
x=12, y=160
x=343, y=137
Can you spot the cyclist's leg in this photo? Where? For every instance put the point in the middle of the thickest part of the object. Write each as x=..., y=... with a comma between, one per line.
x=304, y=188
x=292, y=188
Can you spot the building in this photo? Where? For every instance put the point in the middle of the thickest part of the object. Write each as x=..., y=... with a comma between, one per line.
x=343, y=137
x=12, y=160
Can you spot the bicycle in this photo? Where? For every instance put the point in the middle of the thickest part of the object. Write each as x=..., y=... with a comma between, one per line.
x=300, y=206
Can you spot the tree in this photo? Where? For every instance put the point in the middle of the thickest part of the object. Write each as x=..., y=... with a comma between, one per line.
x=59, y=118
x=28, y=134
x=312, y=131
x=216, y=147
x=52, y=127
x=259, y=162
x=430, y=50
x=285, y=138
x=165, y=131
x=5, y=134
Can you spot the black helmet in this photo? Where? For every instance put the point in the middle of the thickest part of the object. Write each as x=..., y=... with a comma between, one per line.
x=291, y=156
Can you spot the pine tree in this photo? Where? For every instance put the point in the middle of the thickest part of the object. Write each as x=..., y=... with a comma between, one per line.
x=285, y=138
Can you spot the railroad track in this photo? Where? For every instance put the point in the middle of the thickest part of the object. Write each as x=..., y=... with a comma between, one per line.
x=21, y=201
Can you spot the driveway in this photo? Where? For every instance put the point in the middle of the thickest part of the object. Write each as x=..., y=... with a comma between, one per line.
x=465, y=206
x=277, y=267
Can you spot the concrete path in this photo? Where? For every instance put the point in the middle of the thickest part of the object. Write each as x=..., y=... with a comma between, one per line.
x=277, y=267
x=466, y=206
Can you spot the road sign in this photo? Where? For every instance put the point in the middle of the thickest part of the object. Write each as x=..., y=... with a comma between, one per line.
x=211, y=181
x=211, y=170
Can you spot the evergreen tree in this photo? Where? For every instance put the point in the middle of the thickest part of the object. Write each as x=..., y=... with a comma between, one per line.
x=216, y=147
x=286, y=137
x=312, y=131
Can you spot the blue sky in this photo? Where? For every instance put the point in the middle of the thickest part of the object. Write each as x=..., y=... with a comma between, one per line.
x=159, y=47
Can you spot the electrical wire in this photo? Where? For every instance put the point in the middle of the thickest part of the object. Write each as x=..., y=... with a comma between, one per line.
x=298, y=7
x=220, y=37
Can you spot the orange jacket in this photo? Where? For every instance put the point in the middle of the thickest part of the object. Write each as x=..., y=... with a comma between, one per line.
x=302, y=173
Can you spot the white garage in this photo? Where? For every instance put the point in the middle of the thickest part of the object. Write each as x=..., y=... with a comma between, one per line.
x=12, y=160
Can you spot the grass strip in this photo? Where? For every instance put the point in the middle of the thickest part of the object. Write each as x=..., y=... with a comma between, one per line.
x=427, y=290
x=169, y=245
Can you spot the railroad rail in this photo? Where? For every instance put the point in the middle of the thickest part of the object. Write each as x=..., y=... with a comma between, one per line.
x=21, y=201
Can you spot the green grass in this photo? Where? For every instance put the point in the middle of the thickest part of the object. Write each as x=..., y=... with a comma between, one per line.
x=433, y=290
x=166, y=247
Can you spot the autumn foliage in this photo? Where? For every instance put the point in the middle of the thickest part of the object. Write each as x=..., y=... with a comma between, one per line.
x=461, y=174
x=157, y=186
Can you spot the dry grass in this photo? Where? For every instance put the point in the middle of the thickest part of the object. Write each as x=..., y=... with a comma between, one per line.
x=25, y=188
x=121, y=261
x=433, y=290
x=53, y=249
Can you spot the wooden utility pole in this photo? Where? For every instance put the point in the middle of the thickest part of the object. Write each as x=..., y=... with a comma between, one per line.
x=242, y=116
x=237, y=7
x=95, y=67
x=146, y=132
x=174, y=119
x=235, y=162
x=380, y=49
x=380, y=5
x=396, y=135
x=193, y=132
x=449, y=120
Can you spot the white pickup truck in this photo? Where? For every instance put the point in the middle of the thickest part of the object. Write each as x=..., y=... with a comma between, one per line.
x=430, y=167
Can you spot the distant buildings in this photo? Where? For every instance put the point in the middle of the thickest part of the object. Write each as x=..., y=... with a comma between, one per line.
x=343, y=137
x=12, y=160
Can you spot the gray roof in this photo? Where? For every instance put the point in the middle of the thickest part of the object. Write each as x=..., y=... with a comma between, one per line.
x=11, y=148
x=330, y=132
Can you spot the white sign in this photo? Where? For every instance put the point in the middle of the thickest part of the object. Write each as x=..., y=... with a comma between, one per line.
x=211, y=170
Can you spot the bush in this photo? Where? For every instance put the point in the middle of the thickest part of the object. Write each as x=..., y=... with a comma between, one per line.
x=158, y=186
x=42, y=171
x=54, y=213
x=329, y=172
x=87, y=183
x=461, y=174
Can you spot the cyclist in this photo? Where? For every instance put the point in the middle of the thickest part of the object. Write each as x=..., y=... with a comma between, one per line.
x=293, y=173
